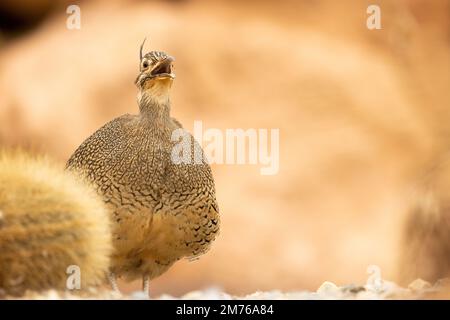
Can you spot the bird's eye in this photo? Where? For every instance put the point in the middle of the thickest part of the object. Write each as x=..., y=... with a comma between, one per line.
x=145, y=64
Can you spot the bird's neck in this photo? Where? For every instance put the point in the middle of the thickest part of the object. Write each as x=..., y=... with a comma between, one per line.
x=155, y=109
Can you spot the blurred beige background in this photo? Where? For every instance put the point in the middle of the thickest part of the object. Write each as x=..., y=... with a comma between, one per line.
x=360, y=114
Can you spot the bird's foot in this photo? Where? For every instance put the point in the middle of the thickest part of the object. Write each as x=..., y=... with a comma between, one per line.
x=146, y=285
x=113, y=282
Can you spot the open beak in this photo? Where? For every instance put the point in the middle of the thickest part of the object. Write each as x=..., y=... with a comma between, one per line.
x=163, y=69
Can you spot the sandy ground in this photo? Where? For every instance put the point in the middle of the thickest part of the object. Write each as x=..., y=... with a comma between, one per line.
x=378, y=289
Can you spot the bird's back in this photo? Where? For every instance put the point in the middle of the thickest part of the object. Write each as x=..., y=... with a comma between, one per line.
x=124, y=155
x=124, y=160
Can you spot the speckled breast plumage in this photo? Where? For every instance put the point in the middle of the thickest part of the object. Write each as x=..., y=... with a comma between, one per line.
x=160, y=211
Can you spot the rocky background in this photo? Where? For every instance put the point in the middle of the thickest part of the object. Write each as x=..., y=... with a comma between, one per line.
x=361, y=114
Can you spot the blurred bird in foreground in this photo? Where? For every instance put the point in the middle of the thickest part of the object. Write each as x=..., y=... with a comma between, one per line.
x=425, y=246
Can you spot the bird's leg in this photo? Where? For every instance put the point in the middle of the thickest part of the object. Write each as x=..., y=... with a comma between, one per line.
x=146, y=285
x=112, y=281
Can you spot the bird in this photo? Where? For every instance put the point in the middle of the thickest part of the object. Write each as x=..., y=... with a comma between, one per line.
x=161, y=210
x=425, y=233
x=50, y=222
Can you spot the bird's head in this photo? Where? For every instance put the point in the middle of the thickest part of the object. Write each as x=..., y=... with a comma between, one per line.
x=155, y=74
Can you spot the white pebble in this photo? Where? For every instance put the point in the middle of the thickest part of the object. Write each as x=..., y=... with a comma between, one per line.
x=419, y=285
x=328, y=289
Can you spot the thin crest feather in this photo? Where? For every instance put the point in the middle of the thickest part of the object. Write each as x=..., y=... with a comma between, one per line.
x=142, y=46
